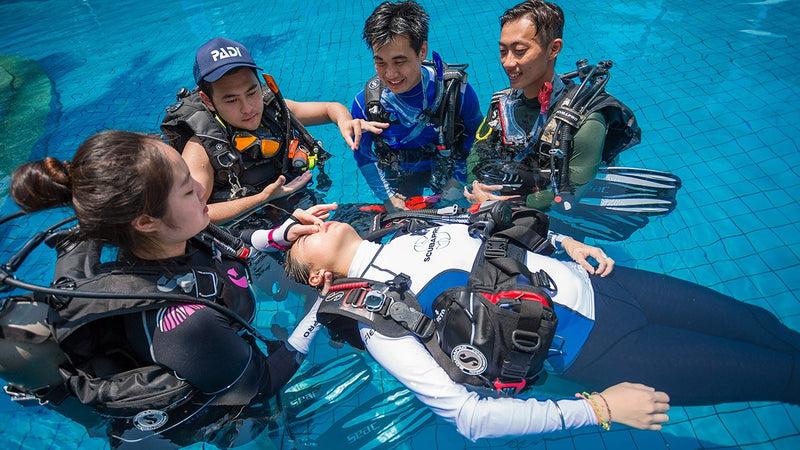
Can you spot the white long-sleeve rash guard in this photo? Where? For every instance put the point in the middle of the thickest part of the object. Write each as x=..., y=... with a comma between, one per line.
x=422, y=257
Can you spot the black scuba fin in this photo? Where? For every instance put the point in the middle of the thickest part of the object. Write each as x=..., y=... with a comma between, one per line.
x=380, y=423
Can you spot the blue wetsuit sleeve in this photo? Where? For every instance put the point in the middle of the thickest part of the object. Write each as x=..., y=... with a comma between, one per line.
x=471, y=115
x=363, y=154
x=365, y=157
x=376, y=181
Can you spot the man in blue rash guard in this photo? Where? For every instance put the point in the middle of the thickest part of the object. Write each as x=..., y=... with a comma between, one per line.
x=415, y=151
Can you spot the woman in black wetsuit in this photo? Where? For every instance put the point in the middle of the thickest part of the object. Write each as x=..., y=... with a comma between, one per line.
x=618, y=332
x=135, y=192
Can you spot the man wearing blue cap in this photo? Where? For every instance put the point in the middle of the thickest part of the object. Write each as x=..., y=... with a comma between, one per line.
x=242, y=141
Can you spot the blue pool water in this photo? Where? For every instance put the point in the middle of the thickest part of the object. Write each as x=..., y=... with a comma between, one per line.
x=713, y=85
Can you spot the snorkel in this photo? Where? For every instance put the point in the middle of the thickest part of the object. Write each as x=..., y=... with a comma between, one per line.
x=446, y=125
x=570, y=115
x=439, y=66
x=305, y=153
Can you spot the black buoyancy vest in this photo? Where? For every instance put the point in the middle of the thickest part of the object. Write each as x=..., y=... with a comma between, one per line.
x=79, y=268
x=493, y=334
x=101, y=369
x=446, y=114
x=623, y=132
x=190, y=117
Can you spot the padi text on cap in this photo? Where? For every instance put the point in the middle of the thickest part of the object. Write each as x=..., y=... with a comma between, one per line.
x=218, y=56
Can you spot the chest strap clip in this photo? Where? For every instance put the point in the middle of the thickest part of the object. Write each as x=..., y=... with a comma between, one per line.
x=411, y=319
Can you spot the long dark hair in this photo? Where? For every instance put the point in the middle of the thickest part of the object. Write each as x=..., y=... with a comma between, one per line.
x=114, y=177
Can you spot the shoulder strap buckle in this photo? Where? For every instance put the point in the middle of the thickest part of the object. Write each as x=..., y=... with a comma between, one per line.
x=374, y=301
x=544, y=280
x=496, y=247
x=400, y=282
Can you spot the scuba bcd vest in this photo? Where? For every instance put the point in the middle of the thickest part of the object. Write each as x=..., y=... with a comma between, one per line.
x=493, y=334
x=542, y=161
x=443, y=114
x=100, y=368
x=298, y=150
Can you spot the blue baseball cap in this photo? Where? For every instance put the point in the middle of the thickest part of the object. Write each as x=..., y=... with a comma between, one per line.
x=218, y=56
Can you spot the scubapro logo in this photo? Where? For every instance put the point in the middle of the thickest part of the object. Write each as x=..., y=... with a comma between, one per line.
x=374, y=84
x=428, y=244
x=149, y=420
x=334, y=296
x=310, y=329
x=469, y=359
x=303, y=398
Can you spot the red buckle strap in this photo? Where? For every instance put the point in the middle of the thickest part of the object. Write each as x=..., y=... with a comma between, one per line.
x=506, y=388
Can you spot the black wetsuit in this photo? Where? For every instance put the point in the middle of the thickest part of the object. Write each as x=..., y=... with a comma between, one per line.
x=701, y=347
x=203, y=346
x=697, y=345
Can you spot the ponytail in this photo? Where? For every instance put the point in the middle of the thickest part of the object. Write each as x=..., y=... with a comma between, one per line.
x=40, y=185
